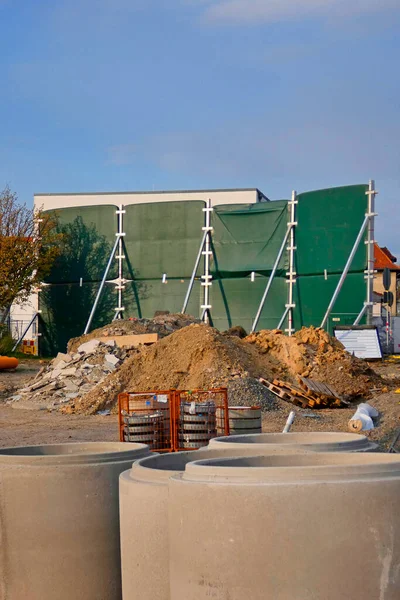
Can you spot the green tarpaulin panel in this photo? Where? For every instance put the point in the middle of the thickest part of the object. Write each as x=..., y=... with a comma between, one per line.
x=312, y=296
x=65, y=311
x=328, y=224
x=143, y=298
x=163, y=237
x=247, y=238
x=89, y=238
x=235, y=302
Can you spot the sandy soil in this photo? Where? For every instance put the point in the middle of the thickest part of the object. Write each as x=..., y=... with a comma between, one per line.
x=23, y=427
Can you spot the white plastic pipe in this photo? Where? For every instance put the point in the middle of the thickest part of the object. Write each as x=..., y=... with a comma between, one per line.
x=289, y=422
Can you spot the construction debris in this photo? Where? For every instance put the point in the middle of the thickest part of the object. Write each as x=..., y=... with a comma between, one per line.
x=362, y=418
x=312, y=353
x=310, y=394
x=162, y=325
x=310, y=369
x=70, y=376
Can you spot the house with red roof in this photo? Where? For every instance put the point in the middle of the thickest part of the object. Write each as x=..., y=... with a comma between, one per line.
x=385, y=259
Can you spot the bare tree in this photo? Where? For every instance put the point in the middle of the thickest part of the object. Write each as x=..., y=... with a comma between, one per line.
x=29, y=244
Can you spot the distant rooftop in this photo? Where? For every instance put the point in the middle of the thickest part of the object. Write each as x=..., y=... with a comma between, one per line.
x=202, y=191
x=384, y=259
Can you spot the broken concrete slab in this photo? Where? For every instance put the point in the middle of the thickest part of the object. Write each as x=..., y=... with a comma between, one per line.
x=88, y=347
x=111, y=343
x=53, y=385
x=70, y=386
x=39, y=384
x=68, y=372
x=111, y=359
x=130, y=340
x=61, y=357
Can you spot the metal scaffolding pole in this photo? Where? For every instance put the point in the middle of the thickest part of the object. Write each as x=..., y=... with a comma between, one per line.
x=102, y=284
x=291, y=274
x=25, y=331
x=369, y=273
x=207, y=252
x=271, y=278
x=193, y=276
x=345, y=270
x=281, y=322
x=120, y=286
x=370, y=270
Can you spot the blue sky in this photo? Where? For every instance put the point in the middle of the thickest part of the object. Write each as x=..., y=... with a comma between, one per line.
x=104, y=95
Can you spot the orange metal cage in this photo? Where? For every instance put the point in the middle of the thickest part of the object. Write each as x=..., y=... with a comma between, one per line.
x=146, y=418
x=173, y=420
x=195, y=416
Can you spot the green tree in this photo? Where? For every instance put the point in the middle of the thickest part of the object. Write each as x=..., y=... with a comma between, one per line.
x=29, y=245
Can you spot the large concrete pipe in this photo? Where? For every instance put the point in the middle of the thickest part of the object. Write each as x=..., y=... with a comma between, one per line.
x=59, y=520
x=298, y=527
x=144, y=519
x=302, y=441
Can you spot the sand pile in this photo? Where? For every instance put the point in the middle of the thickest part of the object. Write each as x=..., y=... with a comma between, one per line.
x=196, y=357
x=312, y=352
x=163, y=324
x=199, y=356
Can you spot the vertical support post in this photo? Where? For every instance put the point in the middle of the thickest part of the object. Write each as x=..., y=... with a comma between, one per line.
x=291, y=274
x=369, y=273
x=120, y=286
x=193, y=276
x=345, y=271
x=207, y=252
x=270, y=279
x=103, y=281
x=25, y=331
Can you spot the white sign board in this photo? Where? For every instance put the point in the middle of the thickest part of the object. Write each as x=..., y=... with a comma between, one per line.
x=363, y=343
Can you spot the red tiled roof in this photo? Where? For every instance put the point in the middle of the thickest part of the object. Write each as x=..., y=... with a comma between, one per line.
x=389, y=254
x=382, y=259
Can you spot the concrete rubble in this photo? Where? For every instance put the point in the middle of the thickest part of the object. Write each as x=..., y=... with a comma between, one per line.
x=69, y=376
x=88, y=378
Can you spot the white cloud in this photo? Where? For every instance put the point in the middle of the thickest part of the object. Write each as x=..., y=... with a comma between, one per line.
x=253, y=11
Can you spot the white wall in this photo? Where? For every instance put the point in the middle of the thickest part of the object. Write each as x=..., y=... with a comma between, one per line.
x=21, y=315
x=53, y=201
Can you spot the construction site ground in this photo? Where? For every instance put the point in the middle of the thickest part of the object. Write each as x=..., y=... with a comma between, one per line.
x=19, y=426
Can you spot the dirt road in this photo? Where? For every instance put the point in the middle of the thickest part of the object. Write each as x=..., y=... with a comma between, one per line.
x=24, y=427
x=28, y=427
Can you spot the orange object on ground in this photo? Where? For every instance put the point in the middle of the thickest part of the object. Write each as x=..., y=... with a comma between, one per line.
x=8, y=363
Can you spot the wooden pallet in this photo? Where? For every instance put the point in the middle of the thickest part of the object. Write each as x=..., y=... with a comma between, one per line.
x=298, y=396
x=323, y=391
x=311, y=394
x=288, y=393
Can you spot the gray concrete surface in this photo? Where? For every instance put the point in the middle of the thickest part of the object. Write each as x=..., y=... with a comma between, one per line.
x=59, y=520
x=302, y=441
x=299, y=527
x=144, y=501
x=144, y=520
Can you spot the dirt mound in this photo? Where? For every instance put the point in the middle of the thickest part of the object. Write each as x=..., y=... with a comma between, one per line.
x=312, y=352
x=196, y=357
x=163, y=324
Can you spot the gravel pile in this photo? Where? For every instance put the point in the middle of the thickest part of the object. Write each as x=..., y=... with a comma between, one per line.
x=243, y=392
